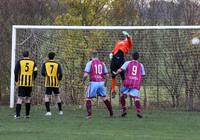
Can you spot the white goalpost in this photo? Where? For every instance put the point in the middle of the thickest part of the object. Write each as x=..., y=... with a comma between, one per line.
x=151, y=41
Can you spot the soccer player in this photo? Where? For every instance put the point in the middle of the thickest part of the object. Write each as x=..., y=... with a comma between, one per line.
x=134, y=71
x=121, y=49
x=52, y=71
x=97, y=72
x=25, y=73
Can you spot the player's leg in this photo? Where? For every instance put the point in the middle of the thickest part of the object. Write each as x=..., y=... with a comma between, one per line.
x=124, y=91
x=134, y=94
x=102, y=93
x=90, y=93
x=28, y=106
x=108, y=105
x=47, y=96
x=122, y=74
x=113, y=68
x=28, y=101
x=21, y=95
x=89, y=107
x=116, y=63
x=18, y=106
x=58, y=100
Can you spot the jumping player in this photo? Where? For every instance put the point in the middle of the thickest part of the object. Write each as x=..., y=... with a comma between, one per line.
x=25, y=73
x=134, y=70
x=121, y=49
x=52, y=71
x=97, y=72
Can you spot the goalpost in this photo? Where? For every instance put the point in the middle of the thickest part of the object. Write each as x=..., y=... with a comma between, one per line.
x=163, y=51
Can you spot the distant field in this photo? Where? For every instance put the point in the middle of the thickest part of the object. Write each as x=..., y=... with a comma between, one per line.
x=155, y=125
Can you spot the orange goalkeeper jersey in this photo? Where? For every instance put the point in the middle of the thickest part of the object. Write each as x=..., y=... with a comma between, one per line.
x=123, y=45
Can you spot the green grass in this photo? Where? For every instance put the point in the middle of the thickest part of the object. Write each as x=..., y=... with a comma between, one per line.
x=156, y=125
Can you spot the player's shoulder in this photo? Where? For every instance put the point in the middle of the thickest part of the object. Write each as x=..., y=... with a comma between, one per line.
x=141, y=64
x=89, y=62
x=101, y=61
x=127, y=62
x=26, y=59
x=138, y=62
x=52, y=61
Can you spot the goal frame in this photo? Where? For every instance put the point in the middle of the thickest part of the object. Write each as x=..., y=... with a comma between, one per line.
x=54, y=27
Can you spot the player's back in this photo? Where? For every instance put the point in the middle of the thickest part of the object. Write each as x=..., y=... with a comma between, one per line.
x=51, y=79
x=26, y=72
x=133, y=75
x=97, y=71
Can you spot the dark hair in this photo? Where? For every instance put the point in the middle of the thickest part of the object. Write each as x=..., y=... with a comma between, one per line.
x=94, y=54
x=135, y=55
x=122, y=36
x=51, y=55
x=25, y=53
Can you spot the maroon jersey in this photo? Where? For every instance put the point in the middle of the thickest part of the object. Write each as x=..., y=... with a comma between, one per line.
x=133, y=75
x=97, y=71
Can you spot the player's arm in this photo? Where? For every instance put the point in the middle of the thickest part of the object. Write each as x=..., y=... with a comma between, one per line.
x=118, y=71
x=43, y=71
x=106, y=74
x=123, y=68
x=85, y=75
x=143, y=71
x=60, y=73
x=16, y=71
x=130, y=42
x=86, y=71
x=35, y=71
x=129, y=39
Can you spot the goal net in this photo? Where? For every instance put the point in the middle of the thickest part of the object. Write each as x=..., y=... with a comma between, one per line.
x=171, y=61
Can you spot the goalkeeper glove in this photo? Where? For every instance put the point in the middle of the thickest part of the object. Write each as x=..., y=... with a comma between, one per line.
x=110, y=56
x=115, y=73
x=125, y=33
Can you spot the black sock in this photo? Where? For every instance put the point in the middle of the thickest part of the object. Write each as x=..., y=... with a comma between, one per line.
x=18, y=109
x=28, y=107
x=47, y=104
x=59, y=106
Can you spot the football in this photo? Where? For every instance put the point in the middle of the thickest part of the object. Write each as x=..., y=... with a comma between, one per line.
x=195, y=41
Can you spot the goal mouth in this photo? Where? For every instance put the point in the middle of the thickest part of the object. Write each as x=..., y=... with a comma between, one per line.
x=170, y=59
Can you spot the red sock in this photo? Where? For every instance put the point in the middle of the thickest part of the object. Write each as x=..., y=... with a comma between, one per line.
x=123, y=103
x=89, y=107
x=114, y=81
x=109, y=106
x=137, y=105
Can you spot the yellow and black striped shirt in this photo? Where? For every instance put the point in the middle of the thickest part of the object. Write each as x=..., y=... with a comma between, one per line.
x=25, y=72
x=53, y=73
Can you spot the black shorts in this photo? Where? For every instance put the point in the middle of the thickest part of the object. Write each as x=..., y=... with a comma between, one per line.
x=50, y=90
x=116, y=63
x=24, y=91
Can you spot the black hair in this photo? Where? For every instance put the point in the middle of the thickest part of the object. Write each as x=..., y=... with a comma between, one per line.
x=51, y=55
x=135, y=55
x=94, y=54
x=26, y=53
x=122, y=36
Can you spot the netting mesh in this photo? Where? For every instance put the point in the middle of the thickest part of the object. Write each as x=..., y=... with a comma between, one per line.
x=171, y=62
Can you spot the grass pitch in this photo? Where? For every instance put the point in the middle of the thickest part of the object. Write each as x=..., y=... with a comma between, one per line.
x=156, y=125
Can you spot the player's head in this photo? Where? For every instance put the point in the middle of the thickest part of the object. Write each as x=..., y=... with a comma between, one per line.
x=94, y=54
x=122, y=36
x=26, y=53
x=51, y=55
x=135, y=55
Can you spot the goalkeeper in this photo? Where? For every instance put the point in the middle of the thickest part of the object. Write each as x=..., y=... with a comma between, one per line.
x=122, y=47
